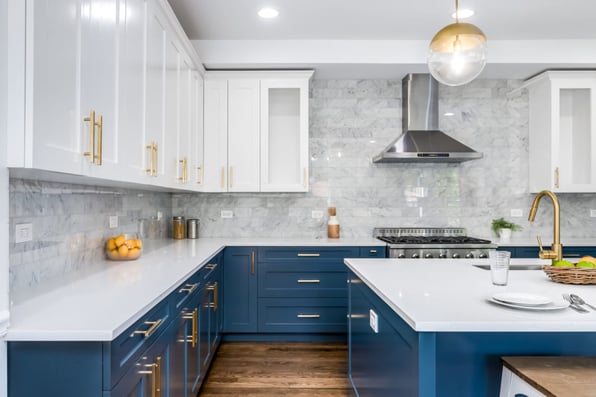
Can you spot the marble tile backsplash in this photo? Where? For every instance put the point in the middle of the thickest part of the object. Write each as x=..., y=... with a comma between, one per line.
x=352, y=120
x=70, y=224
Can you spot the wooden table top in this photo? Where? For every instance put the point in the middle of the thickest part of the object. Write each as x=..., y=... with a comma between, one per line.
x=556, y=376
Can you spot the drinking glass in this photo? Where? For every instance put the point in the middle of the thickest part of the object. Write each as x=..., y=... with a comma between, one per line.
x=499, y=266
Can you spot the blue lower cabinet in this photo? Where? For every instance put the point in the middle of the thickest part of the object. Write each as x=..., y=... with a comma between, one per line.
x=240, y=290
x=388, y=358
x=532, y=251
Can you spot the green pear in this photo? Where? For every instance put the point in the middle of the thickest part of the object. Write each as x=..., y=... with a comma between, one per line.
x=586, y=265
x=563, y=263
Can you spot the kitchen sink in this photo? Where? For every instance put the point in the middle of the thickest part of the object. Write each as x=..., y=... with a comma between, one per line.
x=512, y=267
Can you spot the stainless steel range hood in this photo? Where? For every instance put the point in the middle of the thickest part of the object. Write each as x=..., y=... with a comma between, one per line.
x=421, y=140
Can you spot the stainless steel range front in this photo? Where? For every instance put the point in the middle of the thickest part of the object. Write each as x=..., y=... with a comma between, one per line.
x=426, y=242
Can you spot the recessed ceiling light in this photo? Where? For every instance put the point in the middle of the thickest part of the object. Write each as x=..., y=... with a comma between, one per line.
x=268, y=13
x=464, y=13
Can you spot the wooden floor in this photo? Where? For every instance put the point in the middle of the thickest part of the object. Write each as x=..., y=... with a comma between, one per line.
x=262, y=369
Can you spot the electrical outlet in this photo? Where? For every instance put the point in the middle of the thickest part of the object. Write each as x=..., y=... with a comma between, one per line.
x=516, y=213
x=227, y=213
x=113, y=221
x=23, y=232
x=592, y=213
x=374, y=321
x=317, y=214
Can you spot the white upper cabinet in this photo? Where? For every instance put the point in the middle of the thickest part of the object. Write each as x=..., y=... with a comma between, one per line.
x=215, y=139
x=52, y=139
x=284, y=135
x=563, y=131
x=243, y=135
x=196, y=168
x=256, y=131
x=109, y=88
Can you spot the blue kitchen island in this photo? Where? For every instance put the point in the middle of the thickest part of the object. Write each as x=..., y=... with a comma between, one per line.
x=428, y=328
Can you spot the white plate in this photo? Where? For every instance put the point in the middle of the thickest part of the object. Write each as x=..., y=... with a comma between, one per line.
x=550, y=306
x=522, y=298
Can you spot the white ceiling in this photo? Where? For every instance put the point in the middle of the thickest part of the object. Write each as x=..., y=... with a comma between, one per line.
x=341, y=33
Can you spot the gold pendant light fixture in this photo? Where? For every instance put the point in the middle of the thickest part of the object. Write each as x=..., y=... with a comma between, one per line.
x=457, y=53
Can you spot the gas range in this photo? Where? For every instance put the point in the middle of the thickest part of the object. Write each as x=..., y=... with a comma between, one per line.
x=432, y=243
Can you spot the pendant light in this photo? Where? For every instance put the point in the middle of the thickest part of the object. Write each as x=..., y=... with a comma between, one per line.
x=457, y=53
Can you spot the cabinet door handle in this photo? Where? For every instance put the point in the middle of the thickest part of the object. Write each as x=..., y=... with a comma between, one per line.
x=308, y=316
x=252, y=262
x=149, y=147
x=148, y=332
x=194, y=317
x=200, y=174
x=373, y=251
x=223, y=177
x=213, y=287
x=183, y=177
x=189, y=288
x=557, y=177
x=99, y=158
x=91, y=121
x=155, y=376
x=155, y=159
x=211, y=266
x=307, y=281
x=308, y=255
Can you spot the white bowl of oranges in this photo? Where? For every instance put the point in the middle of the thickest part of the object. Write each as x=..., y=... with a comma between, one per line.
x=124, y=247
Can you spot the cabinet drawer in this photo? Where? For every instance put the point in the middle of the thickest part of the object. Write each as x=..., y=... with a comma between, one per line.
x=126, y=348
x=372, y=252
x=310, y=315
x=300, y=281
x=307, y=254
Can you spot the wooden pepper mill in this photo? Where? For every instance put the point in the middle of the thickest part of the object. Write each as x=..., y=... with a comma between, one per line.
x=333, y=224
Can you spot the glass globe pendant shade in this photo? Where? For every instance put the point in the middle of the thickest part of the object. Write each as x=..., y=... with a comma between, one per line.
x=457, y=54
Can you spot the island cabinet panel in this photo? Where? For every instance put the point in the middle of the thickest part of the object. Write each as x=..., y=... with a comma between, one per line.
x=396, y=360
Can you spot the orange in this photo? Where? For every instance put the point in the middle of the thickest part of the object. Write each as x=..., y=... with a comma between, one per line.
x=111, y=245
x=123, y=250
x=139, y=243
x=133, y=252
x=131, y=243
x=119, y=240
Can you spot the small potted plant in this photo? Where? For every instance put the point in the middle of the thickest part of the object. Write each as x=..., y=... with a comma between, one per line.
x=503, y=228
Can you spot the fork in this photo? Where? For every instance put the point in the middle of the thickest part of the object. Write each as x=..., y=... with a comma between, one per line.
x=578, y=299
x=573, y=305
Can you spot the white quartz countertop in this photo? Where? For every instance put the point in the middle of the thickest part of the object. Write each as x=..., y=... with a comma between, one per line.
x=447, y=295
x=99, y=303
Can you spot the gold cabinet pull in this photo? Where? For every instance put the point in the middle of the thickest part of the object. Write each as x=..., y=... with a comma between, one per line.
x=194, y=317
x=557, y=177
x=158, y=377
x=211, y=266
x=189, y=288
x=183, y=172
x=308, y=281
x=213, y=287
x=154, y=325
x=155, y=158
x=150, y=149
x=223, y=177
x=252, y=262
x=373, y=251
x=91, y=121
x=99, y=157
x=308, y=316
x=304, y=178
x=308, y=255
x=230, y=176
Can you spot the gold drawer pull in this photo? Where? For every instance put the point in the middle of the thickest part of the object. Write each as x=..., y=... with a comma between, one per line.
x=305, y=281
x=373, y=251
x=309, y=255
x=211, y=266
x=194, y=316
x=252, y=262
x=308, y=316
x=188, y=288
x=147, y=333
x=213, y=287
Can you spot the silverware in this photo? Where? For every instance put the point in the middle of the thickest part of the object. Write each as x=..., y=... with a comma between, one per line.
x=574, y=305
x=578, y=299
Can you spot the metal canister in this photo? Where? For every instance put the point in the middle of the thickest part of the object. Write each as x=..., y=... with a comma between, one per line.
x=192, y=228
x=178, y=227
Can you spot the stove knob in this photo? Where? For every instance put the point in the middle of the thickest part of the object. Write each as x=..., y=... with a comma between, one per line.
x=483, y=255
x=401, y=256
x=415, y=256
x=455, y=256
x=429, y=256
x=469, y=255
x=442, y=255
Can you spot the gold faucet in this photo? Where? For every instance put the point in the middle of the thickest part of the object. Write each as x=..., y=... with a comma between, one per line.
x=556, y=251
